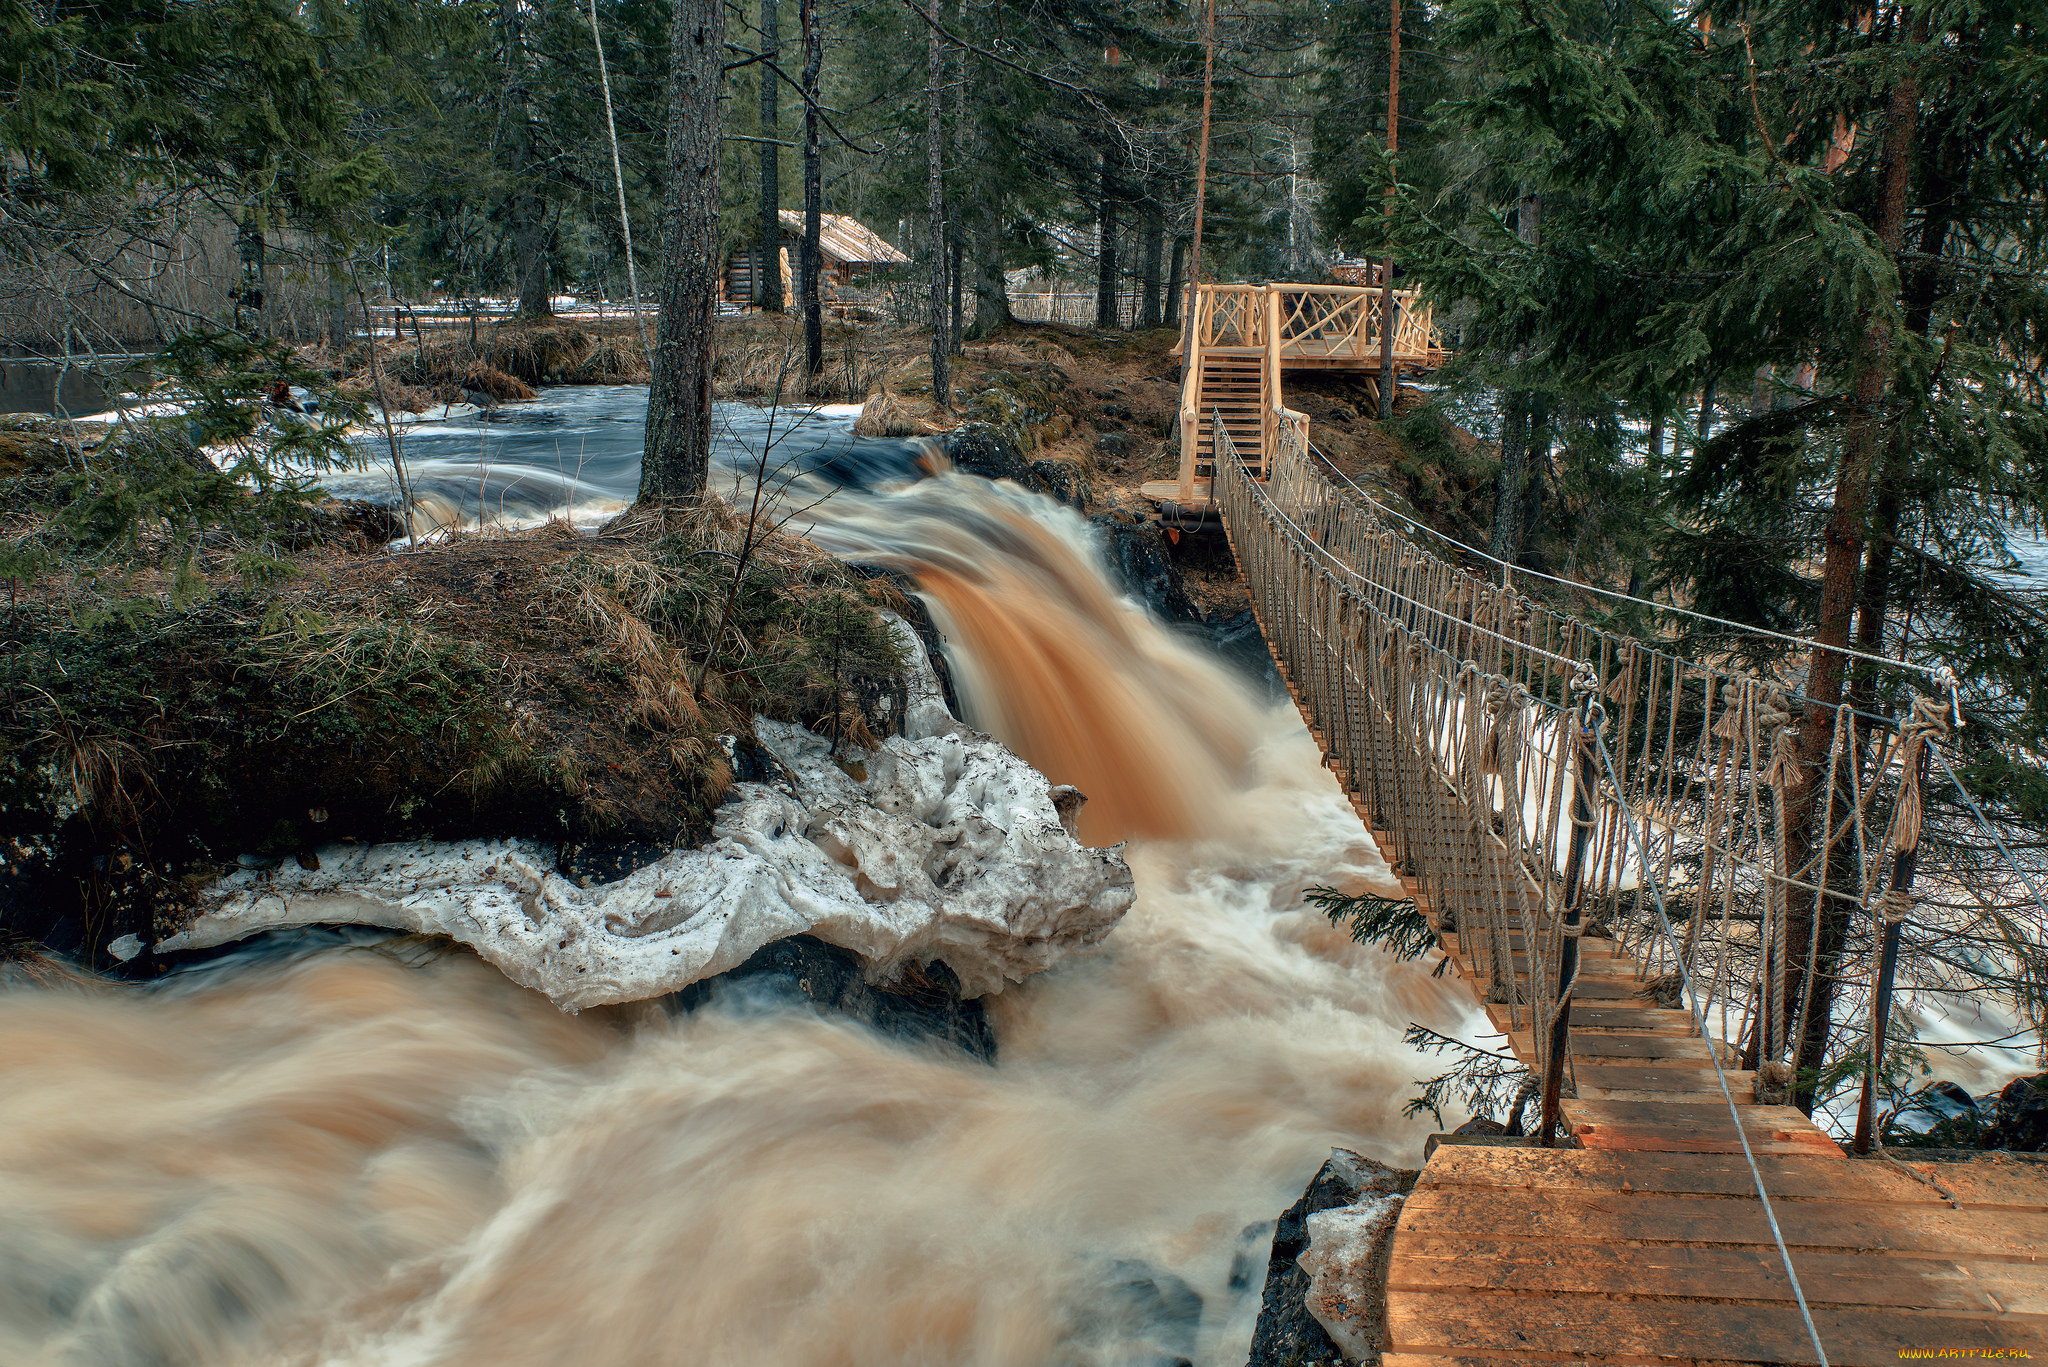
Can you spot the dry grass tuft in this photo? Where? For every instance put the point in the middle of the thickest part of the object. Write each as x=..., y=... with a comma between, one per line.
x=614, y=360
x=488, y=379
x=888, y=414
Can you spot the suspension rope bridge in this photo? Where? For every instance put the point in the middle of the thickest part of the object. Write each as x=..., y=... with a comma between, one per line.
x=1598, y=832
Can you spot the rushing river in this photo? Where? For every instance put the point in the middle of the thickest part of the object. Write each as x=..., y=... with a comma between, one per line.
x=370, y=1154
x=574, y=453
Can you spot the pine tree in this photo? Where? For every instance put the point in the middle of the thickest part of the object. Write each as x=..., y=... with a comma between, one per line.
x=676, y=462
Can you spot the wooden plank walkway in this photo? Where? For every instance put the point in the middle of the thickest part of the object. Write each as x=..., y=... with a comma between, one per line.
x=1645, y=1243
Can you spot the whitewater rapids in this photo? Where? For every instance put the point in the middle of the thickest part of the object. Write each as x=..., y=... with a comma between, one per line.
x=389, y=1155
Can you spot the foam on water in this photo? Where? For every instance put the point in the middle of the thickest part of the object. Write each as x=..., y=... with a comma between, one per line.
x=345, y=1156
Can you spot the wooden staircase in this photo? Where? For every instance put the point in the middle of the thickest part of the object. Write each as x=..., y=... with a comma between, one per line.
x=1234, y=385
x=1243, y=337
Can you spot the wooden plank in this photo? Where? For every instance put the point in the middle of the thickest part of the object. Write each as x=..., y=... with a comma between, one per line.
x=1990, y=1182
x=1786, y=1178
x=1420, y=1263
x=1599, y=1016
x=1770, y=1333
x=1614, y=1217
x=1655, y=1077
x=1614, y=1017
x=1596, y=1045
x=1705, y=1119
x=1674, y=1096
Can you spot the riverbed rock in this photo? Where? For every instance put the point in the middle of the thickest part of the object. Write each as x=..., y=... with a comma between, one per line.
x=1288, y=1334
x=937, y=847
x=2020, y=1121
x=921, y=1002
x=1138, y=559
x=979, y=448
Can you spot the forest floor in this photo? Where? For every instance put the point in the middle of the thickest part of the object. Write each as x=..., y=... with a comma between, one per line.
x=160, y=721
x=1107, y=404
x=164, y=712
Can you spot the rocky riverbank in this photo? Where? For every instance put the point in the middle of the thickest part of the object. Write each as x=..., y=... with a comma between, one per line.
x=935, y=848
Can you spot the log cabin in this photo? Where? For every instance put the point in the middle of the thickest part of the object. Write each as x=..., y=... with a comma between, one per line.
x=852, y=252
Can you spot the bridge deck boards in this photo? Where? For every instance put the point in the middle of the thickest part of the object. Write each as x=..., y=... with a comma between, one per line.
x=1647, y=1244
x=1508, y=1255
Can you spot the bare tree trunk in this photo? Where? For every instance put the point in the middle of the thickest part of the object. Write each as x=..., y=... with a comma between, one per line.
x=1105, y=247
x=250, y=241
x=337, y=305
x=1175, y=285
x=768, y=282
x=811, y=258
x=1155, y=248
x=956, y=280
x=935, y=195
x=1847, y=528
x=1390, y=387
x=527, y=210
x=991, y=293
x=955, y=227
x=678, y=452
x=1922, y=283
x=1511, y=479
x=1519, y=424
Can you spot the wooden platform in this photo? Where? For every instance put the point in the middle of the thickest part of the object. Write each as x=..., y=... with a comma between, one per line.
x=1645, y=1243
x=1166, y=493
x=1532, y=1255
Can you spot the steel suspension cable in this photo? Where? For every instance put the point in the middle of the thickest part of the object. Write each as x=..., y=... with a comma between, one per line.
x=1941, y=674
x=619, y=181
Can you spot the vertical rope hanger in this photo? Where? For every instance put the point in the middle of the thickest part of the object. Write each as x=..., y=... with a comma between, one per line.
x=619, y=181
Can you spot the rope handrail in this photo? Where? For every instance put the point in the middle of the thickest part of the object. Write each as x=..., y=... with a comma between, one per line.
x=1446, y=705
x=1943, y=675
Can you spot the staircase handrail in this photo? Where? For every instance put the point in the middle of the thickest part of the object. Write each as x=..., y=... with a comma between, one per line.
x=1191, y=390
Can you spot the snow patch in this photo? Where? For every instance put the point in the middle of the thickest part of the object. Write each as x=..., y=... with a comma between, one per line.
x=941, y=844
x=1345, y=1295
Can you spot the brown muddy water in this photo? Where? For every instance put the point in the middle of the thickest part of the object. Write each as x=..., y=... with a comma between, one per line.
x=374, y=1155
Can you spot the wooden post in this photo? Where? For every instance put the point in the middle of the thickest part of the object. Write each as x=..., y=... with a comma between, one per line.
x=1191, y=416
x=1269, y=381
x=1568, y=951
x=1190, y=343
x=1903, y=865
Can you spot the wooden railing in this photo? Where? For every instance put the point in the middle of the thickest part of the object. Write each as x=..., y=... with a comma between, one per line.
x=1330, y=326
x=1314, y=322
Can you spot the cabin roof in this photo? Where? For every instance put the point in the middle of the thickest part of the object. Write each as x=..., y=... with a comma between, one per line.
x=845, y=238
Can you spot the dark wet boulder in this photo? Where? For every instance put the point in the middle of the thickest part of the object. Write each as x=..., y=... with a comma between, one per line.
x=911, y=608
x=588, y=863
x=1150, y=1315
x=1238, y=639
x=1138, y=559
x=1287, y=1335
x=921, y=1002
x=1481, y=1125
x=978, y=448
x=1939, y=1115
x=1062, y=481
x=2020, y=1118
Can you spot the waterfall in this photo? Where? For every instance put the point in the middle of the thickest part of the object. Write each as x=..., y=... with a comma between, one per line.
x=380, y=1153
